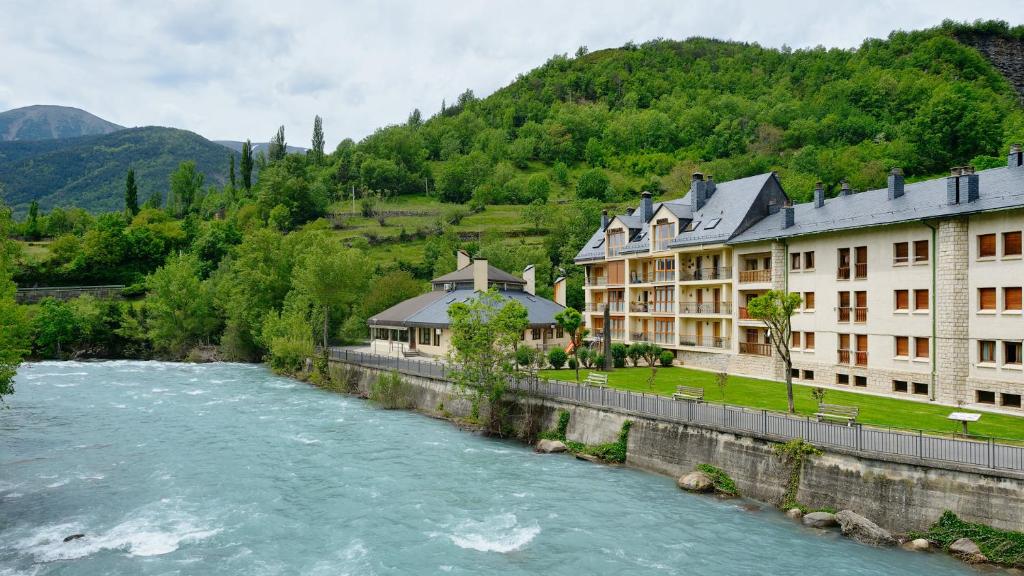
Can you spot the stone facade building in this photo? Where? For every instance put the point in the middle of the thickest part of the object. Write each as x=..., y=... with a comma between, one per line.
x=910, y=290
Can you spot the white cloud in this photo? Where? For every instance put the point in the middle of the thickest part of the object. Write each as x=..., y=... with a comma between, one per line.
x=239, y=68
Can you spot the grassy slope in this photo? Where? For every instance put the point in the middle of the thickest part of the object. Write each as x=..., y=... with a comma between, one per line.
x=875, y=410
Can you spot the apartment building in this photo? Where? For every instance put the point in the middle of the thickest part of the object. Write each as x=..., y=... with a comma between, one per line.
x=913, y=289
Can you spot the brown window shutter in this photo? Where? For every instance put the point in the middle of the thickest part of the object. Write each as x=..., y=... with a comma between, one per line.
x=809, y=340
x=1011, y=244
x=921, y=347
x=920, y=251
x=796, y=339
x=986, y=245
x=809, y=300
x=987, y=298
x=900, y=252
x=1012, y=297
x=920, y=299
x=902, y=345
x=902, y=300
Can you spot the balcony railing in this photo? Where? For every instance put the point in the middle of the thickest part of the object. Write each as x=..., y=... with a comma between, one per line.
x=756, y=348
x=611, y=306
x=719, y=342
x=641, y=336
x=749, y=276
x=843, y=314
x=744, y=315
x=705, y=307
x=860, y=270
x=720, y=273
x=597, y=281
x=843, y=273
x=855, y=357
x=638, y=278
x=859, y=314
x=652, y=307
x=664, y=276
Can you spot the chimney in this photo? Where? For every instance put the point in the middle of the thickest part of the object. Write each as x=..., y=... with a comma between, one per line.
x=787, y=215
x=530, y=275
x=709, y=187
x=480, y=275
x=895, y=183
x=969, y=182
x=559, y=289
x=697, y=192
x=953, y=186
x=646, y=206
x=604, y=220
x=819, y=195
x=463, y=259
x=844, y=188
x=1016, y=157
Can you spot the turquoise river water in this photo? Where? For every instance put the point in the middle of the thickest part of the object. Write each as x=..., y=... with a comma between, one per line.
x=227, y=469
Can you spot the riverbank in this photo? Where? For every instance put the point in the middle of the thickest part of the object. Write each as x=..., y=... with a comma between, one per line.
x=900, y=495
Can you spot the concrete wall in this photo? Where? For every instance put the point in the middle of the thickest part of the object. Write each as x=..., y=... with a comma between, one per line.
x=899, y=495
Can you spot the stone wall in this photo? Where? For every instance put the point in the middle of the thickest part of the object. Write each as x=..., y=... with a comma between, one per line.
x=899, y=494
x=952, y=312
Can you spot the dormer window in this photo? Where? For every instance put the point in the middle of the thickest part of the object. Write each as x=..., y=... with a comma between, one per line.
x=693, y=225
x=616, y=240
x=663, y=234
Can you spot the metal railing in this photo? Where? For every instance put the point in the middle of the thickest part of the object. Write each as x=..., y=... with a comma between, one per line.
x=33, y=295
x=611, y=306
x=749, y=276
x=705, y=307
x=597, y=281
x=719, y=342
x=699, y=274
x=979, y=452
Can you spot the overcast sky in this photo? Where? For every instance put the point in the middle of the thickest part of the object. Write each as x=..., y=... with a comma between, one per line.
x=235, y=69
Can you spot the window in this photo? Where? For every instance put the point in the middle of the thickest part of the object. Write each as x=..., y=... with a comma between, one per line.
x=1010, y=400
x=900, y=253
x=437, y=337
x=903, y=299
x=842, y=379
x=1011, y=299
x=861, y=262
x=535, y=334
x=902, y=346
x=425, y=336
x=985, y=397
x=1011, y=244
x=808, y=300
x=920, y=251
x=795, y=336
x=794, y=372
x=664, y=331
x=1011, y=353
x=861, y=381
x=986, y=298
x=663, y=234
x=559, y=332
x=843, y=309
x=692, y=226
x=921, y=299
x=809, y=260
x=987, y=351
x=921, y=347
x=616, y=240
x=712, y=223
x=899, y=386
x=843, y=269
x=808, y=374
x=794, y=261
x=921, y=388
x=808, y=340
x=986, y=245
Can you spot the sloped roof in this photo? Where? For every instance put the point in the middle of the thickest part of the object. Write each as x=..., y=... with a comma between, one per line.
x=466, y=275
x=999, y=189
x=431, y=309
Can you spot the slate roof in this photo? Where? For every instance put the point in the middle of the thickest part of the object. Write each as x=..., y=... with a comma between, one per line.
x=999, y=189
x=431, y=309
x=466, y=275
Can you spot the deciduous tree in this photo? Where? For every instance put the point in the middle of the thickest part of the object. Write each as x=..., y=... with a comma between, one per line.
x=775, y=308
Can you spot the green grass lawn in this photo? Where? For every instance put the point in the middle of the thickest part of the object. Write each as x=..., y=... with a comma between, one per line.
x=874, y=410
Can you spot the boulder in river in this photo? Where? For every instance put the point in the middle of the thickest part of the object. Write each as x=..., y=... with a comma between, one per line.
x=696, y=481
x=967, y=550
x=74, y=537
x=795, y=513
x=917, y=545
x=820, y=520
x=550, y=446
x=863, y=530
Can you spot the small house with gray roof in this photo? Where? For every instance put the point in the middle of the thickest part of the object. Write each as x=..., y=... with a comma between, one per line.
x=421, y=326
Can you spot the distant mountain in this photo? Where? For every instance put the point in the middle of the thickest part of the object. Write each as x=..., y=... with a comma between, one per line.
x=50, y=122
x=257, y=146
x=88, y=172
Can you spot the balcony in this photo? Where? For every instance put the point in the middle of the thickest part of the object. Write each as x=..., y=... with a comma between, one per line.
x=855, y=357
x=597, y=281
x=701, y=274
x=664, y=276
x=752, y=276
x=744, y=315
x=718, y=342
x=641, y=336
x=652, y=307
x=859, y=314
x=843, y=273
x=699, y=308
x=611, y=306
x=756, y=348
x=616, y=335
x=860, y=270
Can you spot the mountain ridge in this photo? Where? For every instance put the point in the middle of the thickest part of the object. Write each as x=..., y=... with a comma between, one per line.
x=48, y=122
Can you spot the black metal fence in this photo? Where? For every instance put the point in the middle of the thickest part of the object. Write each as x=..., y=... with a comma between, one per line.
x=982, y=453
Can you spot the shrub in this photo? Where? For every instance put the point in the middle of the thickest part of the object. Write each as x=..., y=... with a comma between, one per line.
x=635, y=352
x=1000, y=546
x=619, y=352
x=525, y=355
x=592, y=184
x=585, y=357
x=557, y=358
x=723, y=483
x=391, y=392
x=666, y=358
x=598, y=360
x=572, y=363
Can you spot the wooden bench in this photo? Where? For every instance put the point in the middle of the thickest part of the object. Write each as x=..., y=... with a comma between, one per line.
x=690, y=393
x=595, y=379
x=837, y=412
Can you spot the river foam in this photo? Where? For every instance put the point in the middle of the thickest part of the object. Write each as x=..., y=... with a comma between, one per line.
x=501, y=533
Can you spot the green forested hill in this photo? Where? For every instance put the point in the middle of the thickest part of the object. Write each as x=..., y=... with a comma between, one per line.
x=43, y=122
x=88, y=172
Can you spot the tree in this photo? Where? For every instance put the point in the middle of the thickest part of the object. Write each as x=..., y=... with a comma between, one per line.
x=415, y=118
x=131, y=193
x=13, y=324
x=332, y=277
x=246, y=164
x=486, y=331
x=186, y=184
x=179, y=307
x=571, y=322
x=54, y=326
x=775, y=308
x=32, y=224
x=231, y=170
x=317, y=151
x=592, y=184
x=278, y=148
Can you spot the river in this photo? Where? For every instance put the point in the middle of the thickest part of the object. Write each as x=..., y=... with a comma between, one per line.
x=227, y=469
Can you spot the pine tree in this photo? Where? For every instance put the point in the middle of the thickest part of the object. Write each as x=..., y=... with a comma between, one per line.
x=317, y=153
x=131, y=195
x=246, y=164
x=416, y=118
x=278, y=147
x=231, y=171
